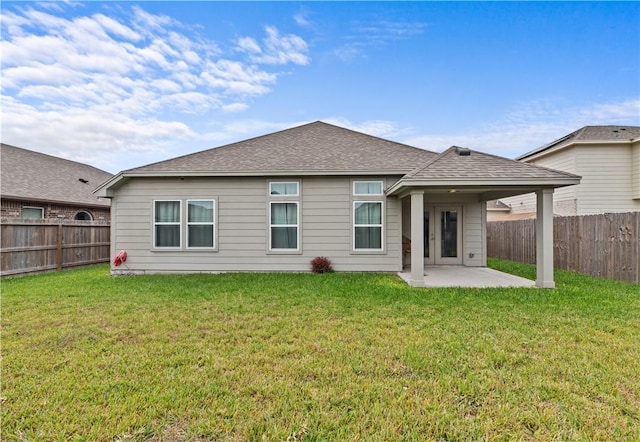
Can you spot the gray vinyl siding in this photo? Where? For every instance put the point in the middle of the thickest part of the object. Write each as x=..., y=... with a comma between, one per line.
x=610, y=180
x=242, y=226
x=607, y=184
x=564, y=198
x=474, y=234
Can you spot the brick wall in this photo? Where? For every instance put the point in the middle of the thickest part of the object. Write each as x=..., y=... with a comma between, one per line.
x=13, y=209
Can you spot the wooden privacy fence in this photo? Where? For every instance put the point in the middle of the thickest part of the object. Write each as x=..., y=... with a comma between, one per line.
x=28, y=247
x=605, y=245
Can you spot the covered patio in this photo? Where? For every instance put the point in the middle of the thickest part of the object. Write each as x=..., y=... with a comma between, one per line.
x=458, y=276
x=444, y=218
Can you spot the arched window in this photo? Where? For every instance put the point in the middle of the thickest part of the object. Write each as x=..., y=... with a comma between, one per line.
x=83, y=216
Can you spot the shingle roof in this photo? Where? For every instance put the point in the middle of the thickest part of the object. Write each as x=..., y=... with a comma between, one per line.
x=478, y=165
x=324, y=149
x=497, y=205
x=36, y=176
x=590, y=133
x=314, y=147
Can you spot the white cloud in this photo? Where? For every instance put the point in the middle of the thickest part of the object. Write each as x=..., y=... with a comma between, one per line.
x=348, y=52
x=88, y=136
x=627, y=111
x=118, y=82
x=532, y=125
x=378, y=128
x=243, y=129
x=235, y=107
x=375, y=34
x=386, y=30
x=248, y=44
x=276, y=49
x=117, y=28
x=301, y=19
x=151, y=22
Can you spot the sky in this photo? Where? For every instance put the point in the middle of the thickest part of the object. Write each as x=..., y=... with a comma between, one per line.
x=122, y=84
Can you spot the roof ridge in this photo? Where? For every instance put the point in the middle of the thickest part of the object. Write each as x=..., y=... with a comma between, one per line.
x=551, y=144
x=429, y=163
x=577, y=135
x=53, y=157
x=257, y=137
x=317, y=123
x=375, y=136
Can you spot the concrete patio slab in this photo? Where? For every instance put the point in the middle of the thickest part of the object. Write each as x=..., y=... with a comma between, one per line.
x=458, y=276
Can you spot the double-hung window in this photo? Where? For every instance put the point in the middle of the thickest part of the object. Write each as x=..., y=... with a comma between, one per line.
x=284, y=216
x=367, y=225
x=201, y=223
x=368, y=216
x=166, y=223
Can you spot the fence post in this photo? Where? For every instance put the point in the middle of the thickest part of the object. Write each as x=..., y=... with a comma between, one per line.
x=59, y=248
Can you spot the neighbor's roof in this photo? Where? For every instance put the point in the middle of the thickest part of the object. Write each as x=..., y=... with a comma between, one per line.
x=34, y=176
x=314, y=147
x=590, y=134
x=497, y=205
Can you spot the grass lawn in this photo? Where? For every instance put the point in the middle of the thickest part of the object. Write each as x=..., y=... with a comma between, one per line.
x=308, y=357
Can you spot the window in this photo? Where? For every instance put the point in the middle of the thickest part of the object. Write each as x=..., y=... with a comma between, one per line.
x=368, y=216
x=283, y=188
x=367, y=225
x=83, y=216
x=200, y=223
x=166, y=224
x=283, y=225
x=32, y=212
x=367, y=187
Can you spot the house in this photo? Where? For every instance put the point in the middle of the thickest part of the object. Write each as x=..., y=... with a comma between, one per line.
x=39, y=186
x=607, y=158
x=275, y=202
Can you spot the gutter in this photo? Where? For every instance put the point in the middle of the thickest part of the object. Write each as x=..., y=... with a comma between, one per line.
x=448, y=183
x=105, y=205
x=105, y=189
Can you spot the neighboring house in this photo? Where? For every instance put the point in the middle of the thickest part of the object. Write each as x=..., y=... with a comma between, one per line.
x=275, y=202
x=497, y=210
x=39, y=186
x=608, y=160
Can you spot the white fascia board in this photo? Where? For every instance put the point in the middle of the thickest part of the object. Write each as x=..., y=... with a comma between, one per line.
x=96, y=205
x=526, y=158
x=448, y=183
x=106, y=189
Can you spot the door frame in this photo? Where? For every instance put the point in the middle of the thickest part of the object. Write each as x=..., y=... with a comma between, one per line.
x=434, y=242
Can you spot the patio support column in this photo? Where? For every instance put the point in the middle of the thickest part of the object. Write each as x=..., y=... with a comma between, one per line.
x=417, y=239
x=544, y=239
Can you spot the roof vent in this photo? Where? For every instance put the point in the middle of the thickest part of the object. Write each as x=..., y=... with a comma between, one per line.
x=463, y=151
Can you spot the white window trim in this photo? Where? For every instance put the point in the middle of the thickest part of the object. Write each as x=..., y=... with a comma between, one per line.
x=153, y=219
x=381, y=225
x=297, y=183
x=368, y=182
x=213, y=224
x=41, y=209
x=297, y=226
